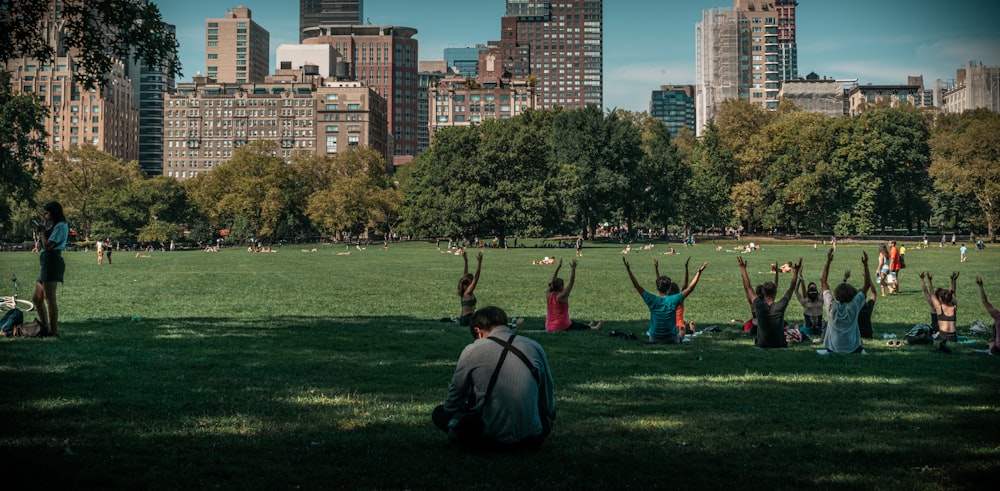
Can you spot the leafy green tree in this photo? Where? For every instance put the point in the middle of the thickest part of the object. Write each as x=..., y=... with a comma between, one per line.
x=739, y=121
x=434, y=193
x=600, y=152
x=966, y=151
x=122, y=211
x=748, y=204
x=254, y=184
x=661, y=176
x=79, y=178
x=489, y=179
x=22, y=138
x=100, y=31
x=794, y=148
x=898, y=156
x=349, y=192
x=707, y=202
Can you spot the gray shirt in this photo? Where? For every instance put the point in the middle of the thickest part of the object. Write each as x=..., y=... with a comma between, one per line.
x=512, y=412
x=842, y=333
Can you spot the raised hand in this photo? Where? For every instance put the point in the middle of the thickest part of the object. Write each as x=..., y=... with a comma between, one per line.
x=572, y=264
x=702, y=267
x=743, y=264
x=979, y=281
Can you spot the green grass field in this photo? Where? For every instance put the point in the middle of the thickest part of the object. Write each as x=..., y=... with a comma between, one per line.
x=302, y=370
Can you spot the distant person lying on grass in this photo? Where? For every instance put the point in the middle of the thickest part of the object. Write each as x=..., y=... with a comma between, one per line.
x=843, y=306
x=505, y=376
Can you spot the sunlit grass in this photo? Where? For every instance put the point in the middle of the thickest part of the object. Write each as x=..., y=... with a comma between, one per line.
x=318, y=371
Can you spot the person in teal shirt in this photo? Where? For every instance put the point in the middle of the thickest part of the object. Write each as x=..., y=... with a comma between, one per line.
x=663, y=306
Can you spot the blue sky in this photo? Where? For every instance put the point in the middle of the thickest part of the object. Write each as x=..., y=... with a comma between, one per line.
x=648, y=43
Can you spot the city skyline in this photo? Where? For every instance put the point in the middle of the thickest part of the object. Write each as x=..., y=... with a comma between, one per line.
x=652, y=43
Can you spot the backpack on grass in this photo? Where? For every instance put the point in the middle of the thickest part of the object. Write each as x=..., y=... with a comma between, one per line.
x=31, y=330
x=919, y=334
x=10, y=320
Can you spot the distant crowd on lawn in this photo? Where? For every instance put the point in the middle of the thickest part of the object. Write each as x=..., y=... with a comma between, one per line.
x=511, y=406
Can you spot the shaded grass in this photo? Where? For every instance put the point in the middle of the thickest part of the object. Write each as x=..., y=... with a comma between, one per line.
x=310, y=370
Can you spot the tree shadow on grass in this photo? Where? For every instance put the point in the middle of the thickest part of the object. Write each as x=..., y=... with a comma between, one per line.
x=328, y=402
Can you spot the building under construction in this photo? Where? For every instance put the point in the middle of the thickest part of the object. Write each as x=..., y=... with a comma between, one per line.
x=717, y=62
x=744, y=52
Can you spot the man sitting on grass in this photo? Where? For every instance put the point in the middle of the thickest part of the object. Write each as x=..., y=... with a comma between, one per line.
x=770, y=314
x=843, y=307
x=507, y=379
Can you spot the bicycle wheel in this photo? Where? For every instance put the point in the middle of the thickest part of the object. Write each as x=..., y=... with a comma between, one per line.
x=24, y=305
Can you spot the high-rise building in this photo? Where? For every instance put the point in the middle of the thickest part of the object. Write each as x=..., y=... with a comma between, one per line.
x=767, y=38
x=298, y=109
x=464, y=61
x=106, y=117
x=150, y=85
x=558, y=47
x=675, y=106
x=385, y=59
x=717, y=62
x=237, y=49
x=749, y=49
x=430, y=73
x=315, y=13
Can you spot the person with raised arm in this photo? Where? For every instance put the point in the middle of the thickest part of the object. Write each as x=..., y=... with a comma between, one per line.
x=995, y=314
x=843, y=307
x=944, y=307
x=662, y=306
x=770, y=314
x=467, y=287
x=557, y=303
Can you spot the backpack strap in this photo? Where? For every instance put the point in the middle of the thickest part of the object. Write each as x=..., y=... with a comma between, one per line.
x=520, y=354
x=495, y=376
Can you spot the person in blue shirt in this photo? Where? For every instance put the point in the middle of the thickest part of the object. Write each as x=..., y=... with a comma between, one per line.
x=53, y=267
x=663, y=306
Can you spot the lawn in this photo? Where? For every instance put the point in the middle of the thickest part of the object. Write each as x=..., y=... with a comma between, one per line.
x=312, y=370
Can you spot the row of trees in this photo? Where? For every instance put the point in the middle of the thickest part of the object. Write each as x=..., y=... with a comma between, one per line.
x=563, y=172
x=566, y=171
x=255, y=194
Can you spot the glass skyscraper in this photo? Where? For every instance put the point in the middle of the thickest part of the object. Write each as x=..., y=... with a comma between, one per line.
x=315, y=13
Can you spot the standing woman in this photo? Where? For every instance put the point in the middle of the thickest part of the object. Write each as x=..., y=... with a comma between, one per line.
x=883, y=267
x=467, y=288
x=52, y=266
x=557, y=303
